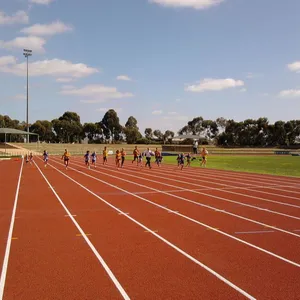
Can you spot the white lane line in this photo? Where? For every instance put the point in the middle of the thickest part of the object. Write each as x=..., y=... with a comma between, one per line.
x=99, y=257
x=198, y=173
x=253, y=232
x=224, y=189
x=9, y=238
x=194, y=202
x=240, y=174
x=181, y=215
x=214, y=196
x=220, y=277
x=228, y=188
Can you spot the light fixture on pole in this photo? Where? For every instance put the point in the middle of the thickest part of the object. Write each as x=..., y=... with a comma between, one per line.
x=27, y=53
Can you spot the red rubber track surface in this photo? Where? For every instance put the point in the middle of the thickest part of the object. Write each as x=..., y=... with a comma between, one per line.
x=9, y=174
x=49, y=261
x=289, y=245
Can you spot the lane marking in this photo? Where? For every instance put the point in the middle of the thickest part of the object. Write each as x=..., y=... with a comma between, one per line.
x=188, y=200
x=178, y=214
x=162, y=239
x=194, y=175
x=233, y=187
x=151, y=231
x=92, y=247
x=9, y=238
x=200, y=193
x=253, y=232
x=71, y=215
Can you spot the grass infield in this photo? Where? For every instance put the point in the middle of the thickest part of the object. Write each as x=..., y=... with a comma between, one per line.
x=277, y=164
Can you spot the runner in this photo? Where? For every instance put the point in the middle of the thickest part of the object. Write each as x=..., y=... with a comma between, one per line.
x=158, y=157
x=148, y=153
x=204, y=154
x=118, y=158
x=94, y=159
x=30, y=158
x=181, y=161
x=27, y=158
x=140, y=160
x=104, y=156
x=45, y=158
x=123, y=155
x=188, y=160
x=136, y=154
x=66, y=158
x=87, y=159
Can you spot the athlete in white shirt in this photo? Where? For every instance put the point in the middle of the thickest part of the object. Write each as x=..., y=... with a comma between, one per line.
x=148, y=153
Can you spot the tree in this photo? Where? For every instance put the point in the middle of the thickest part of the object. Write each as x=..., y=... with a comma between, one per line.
x=158, y=134
x=68, y=128
x=111, y=125
x=148, y=133
x=93, y=132
x=168, y=136
x=131, y=131
x=44, y=129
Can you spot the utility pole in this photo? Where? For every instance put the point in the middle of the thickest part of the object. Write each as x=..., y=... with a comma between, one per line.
x=27, y=53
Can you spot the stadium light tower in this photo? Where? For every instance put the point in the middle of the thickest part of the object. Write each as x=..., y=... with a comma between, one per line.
x=27, y=53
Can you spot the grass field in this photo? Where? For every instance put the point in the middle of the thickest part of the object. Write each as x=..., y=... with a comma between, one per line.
x=277, y=164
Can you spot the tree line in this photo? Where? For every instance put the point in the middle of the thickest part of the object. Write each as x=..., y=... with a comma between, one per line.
x=69, y=129
x=222, y=132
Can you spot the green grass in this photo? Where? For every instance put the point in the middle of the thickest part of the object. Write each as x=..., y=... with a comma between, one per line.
x=276, y=165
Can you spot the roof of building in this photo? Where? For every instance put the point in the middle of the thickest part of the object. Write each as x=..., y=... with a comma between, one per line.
x=15, y=131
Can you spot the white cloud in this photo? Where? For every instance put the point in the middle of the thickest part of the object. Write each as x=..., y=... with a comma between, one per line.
x=157, y=112
x=265, y=94
x=172, y=113
x=209, y=84
x=97, y=93
x=20, y=17
x=54, y=67
x=7, y=60
x=42, y=2
x=196, y=4
x=178, y=100
x=47, y=29
x=64, y=79
x=35, y=44
x=243, y=90
x=290, y=93
x=124, y=78
x=294, y=67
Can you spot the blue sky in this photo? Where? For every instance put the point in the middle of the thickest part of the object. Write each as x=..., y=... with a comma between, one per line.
x=162, y=61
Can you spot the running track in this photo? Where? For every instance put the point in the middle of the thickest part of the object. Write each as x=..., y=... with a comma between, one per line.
x=136, y=233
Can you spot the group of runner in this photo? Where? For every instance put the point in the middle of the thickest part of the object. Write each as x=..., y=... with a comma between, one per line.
x=120, y=156
x=182, y=157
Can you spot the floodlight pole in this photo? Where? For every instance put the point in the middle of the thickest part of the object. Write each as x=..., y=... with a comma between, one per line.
x=27, y=53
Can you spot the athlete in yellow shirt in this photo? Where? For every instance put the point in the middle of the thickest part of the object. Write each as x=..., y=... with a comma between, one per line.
x=104, y=156
x=204, y=154
x=66, y=158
